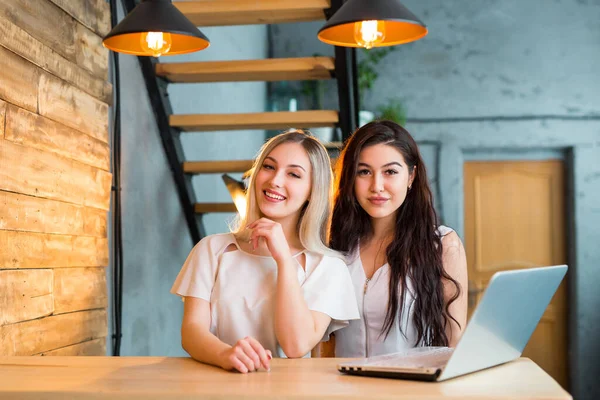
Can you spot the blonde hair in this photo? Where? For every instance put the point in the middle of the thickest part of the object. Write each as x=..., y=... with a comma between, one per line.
x=314, y=221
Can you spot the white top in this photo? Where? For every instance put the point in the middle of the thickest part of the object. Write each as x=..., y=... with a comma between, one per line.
x=240, y=288
x=362, y=338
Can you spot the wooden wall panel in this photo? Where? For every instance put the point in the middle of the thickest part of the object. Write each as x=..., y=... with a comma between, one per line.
x=95, y=14
x=96, y=347
x=77, y=289
x=40, y=335
x=40, y=250
x=90, y=54
x=27, y=213
x=18, y=80
x=49, y=24
x=55, y=180
x=33, y=214
x=20, y=42
x=95, y=222
x=72, y=107
x=31, y=289
x=2, y=117
x=38, y=173
x=29, y=129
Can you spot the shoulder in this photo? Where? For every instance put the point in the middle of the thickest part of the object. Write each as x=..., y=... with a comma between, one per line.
x=329, y=263
x=214, y=244
x=453, y=253
x=443, y=230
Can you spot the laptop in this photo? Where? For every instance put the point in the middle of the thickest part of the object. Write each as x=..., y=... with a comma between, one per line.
x=498, y=331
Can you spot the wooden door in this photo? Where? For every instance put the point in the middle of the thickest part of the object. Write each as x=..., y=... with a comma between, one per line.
x=515, y=218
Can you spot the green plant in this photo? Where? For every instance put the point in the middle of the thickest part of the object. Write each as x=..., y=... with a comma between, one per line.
x=367, y=68
x=394, y=111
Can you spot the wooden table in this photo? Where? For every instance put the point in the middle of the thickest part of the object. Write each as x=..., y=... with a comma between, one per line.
x=182, y=378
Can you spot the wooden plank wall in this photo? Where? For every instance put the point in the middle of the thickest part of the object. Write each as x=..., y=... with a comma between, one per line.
x=55, y=177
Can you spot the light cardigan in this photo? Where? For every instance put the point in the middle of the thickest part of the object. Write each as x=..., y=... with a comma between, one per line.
x=362, y=338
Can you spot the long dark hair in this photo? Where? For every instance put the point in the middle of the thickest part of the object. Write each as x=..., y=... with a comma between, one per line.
x=416, y=249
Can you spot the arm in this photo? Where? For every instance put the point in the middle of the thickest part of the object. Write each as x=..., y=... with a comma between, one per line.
x=297, y=328
x=455, y=265
x=247, y=354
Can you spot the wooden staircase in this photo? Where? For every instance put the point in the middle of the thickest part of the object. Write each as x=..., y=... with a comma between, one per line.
x=240, y=12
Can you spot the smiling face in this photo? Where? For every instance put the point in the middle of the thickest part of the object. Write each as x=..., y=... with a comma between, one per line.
x=283, y=182
x=382, y=181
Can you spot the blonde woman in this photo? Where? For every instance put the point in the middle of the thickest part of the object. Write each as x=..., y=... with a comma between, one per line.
x=272, y=287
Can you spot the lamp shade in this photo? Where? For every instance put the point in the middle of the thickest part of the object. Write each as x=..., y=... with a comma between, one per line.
x=237, y=190
x=372, y=23
x=154, y=28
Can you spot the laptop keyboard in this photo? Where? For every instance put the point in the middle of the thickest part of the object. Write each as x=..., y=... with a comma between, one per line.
x=433, y=357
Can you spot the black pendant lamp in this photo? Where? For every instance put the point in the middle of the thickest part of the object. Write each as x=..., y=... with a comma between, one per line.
x=372, y=23
x=155, y=28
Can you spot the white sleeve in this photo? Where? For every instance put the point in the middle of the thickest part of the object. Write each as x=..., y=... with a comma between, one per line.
x=198, y=274
x=329, y=290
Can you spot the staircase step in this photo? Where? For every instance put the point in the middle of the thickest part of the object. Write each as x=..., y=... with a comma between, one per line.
x=202, y=208
x=266, y=70
x=216, y=167
x=221, y=167
x=333, y=145
x=266, y=120
x=245, y=12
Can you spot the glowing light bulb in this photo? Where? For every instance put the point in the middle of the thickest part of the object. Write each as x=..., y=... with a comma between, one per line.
x=369, y=34
x=156, y=43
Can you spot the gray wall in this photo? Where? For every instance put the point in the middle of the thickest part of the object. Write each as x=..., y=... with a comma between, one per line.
x=498, y=79
x=156, y=239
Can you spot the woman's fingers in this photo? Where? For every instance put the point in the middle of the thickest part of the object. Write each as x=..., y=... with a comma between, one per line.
x=241, y=355
x=238, y=365
x=257, y=233
x=261, y=352
x=250, y=353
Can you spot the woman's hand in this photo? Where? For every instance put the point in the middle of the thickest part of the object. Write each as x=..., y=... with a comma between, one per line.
x=246, y=355
x=272, y=233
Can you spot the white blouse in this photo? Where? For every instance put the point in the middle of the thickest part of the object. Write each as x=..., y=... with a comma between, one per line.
x=240, y=288
x=362, y=338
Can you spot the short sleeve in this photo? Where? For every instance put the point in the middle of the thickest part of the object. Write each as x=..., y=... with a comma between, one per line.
x=443, y=230
x=198, y=274
x=329, y=290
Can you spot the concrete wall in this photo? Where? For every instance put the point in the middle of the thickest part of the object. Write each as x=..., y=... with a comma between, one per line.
x=156, y=239
x=504, y=79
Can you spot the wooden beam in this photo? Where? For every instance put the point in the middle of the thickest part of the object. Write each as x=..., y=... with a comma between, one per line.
x=25, y=295
x=30, y=129
x=94, y=347
x=40, y=250
x=94, y=14
x=3, y=106
x=20, y=212
x=19, y=80
x=202, y=208
x=22, y=43
x=52, y=26
x=244, y=12
x=77, y=289
x=41, y=174
x=266, y=70
x=64, y=103
x=266, y=120
x=216, y=167
x=40, y=335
